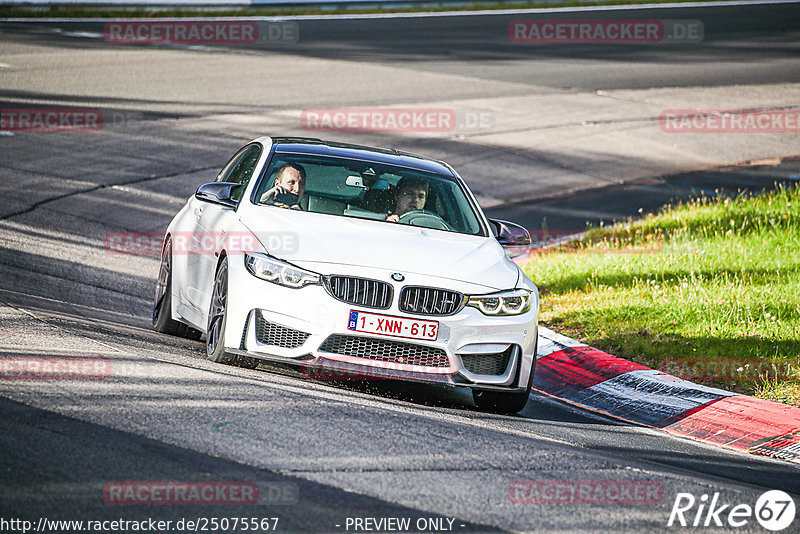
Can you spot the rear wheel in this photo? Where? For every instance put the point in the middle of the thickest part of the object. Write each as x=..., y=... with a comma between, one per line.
x=217, y=317
x=162, y=308
x=246, y=361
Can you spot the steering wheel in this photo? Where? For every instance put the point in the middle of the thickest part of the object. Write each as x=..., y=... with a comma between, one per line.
x=426, y=219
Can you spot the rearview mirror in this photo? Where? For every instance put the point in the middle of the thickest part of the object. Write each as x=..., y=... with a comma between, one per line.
x=222, y=193
x=355, y=181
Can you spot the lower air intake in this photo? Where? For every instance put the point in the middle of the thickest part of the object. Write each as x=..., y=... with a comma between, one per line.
x=488, y=364
x=385, y=351
x=277, y=335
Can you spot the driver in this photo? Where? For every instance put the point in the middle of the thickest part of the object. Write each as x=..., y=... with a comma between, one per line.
x=409, y=195
x=290, y=184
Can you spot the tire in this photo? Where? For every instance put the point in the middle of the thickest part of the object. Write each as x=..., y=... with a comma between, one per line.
x=502, y=402
x=217, y=317
x=162, y=307
x=192, y=333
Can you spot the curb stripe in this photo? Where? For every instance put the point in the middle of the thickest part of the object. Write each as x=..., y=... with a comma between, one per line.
x=550, y=342
x=738, y=422
x=647, y=397
x=591, y=379
x=784, y=448
x=569, y=371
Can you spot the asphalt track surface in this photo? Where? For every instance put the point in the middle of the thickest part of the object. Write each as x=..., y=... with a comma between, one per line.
x=358, y=450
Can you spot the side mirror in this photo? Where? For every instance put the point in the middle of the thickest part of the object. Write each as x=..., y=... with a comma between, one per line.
x=222, y=193
x=513, y=237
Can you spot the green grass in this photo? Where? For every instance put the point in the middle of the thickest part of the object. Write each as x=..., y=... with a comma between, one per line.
x=708, y=290
x=88, y=11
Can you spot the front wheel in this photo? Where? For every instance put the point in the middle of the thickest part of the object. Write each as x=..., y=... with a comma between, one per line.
x=502, y=402
x=247, y=362
x=217, y=317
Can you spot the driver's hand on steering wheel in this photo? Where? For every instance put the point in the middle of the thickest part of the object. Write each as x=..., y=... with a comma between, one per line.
x=393, y=217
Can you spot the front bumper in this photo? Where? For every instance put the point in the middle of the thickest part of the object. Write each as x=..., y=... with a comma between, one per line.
x=301, y=320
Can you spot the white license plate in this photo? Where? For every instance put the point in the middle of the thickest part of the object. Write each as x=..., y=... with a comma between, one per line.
x=388, y=325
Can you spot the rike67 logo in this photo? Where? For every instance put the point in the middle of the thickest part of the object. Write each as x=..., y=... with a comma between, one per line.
x=774, y=510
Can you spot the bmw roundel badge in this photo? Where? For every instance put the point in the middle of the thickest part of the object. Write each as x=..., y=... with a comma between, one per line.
x=397, y=277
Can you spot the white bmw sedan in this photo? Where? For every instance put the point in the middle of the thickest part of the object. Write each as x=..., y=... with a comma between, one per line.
x=351, y=261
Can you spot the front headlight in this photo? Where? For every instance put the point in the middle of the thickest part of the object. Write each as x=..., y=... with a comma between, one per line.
x=514, y=302
x=279, y=272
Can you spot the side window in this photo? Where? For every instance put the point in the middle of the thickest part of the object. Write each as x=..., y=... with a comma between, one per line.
x=240, y=168
x=226, y=170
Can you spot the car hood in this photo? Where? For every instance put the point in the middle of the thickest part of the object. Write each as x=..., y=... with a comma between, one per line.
x=311, y=240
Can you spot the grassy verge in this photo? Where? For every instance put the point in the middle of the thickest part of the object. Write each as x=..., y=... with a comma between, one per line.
x=708, y=290
x=88, y=11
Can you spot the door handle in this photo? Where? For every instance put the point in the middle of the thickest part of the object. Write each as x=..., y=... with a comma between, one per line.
x=198, y=211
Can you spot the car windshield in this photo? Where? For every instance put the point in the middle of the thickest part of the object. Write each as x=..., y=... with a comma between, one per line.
x=367, y=190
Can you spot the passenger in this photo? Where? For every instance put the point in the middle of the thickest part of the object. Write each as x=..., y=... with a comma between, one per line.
x=409, y=195
x=290, y=184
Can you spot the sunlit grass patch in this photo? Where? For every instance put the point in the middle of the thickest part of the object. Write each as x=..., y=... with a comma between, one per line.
x=708, y=290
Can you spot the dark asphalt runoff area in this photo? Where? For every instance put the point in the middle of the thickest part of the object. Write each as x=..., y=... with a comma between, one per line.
x=325, y=457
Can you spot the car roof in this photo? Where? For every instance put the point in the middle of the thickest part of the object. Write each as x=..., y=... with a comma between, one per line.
x=387, y=156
